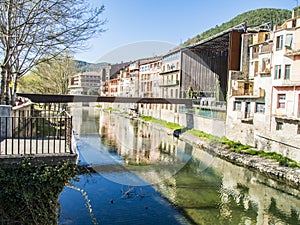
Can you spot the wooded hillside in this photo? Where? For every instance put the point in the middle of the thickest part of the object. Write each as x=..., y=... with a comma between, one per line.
x=253, y=18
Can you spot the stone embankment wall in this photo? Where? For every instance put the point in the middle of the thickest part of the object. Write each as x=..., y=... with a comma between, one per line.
x=218, y=128
x=267, y=167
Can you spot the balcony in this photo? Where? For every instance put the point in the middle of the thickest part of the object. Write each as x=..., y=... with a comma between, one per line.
x=169, y=83
x=265, y=72
x=266, y=48
x=285, y=82
x=290, y=52
x=242, y=88
x=238, y=75
x=287, y=118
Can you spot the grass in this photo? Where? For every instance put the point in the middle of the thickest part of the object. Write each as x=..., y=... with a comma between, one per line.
x=234, y=146
x=173, y=126
x=202, y=134
x=112, y=109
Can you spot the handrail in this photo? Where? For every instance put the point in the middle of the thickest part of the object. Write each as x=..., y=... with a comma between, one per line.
x=30, y=134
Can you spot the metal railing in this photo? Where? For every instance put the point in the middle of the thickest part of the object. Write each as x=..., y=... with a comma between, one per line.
x=36, y=132
x=211, y=110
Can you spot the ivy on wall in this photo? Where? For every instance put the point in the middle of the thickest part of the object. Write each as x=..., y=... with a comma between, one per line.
x=29, y=193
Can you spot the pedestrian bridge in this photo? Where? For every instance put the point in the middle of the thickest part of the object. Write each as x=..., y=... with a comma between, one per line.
x=56, y=98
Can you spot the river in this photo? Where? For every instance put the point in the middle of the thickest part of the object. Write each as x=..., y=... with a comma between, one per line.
x=146, y=176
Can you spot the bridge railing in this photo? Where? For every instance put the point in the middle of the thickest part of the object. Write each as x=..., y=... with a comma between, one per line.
x=31, y=132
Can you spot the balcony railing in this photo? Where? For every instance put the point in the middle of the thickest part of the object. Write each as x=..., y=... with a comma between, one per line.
x=290, y=52
x=169, y=83
x=266, y=48
x=238, y=75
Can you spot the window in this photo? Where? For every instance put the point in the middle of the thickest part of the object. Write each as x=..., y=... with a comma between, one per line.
x=260, y=107
x=289, y=40
x=279, y=126
x=237, y=106
x=267, y=37
x=287, y=72
x=281, y=101
x=279, y=42
x=265, y=67
x=255, y=49
x=277, y=72
x=256, y=68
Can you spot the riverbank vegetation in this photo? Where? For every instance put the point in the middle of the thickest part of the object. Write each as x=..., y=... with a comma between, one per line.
x=237, y=147
x=33, y=190
x=173, y=126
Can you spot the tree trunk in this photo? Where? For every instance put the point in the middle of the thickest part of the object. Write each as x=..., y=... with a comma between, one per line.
x=3, y=85
x=14, y=91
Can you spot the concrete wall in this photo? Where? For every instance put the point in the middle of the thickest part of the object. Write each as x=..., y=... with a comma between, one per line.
x=285, y=147
x=210, y=126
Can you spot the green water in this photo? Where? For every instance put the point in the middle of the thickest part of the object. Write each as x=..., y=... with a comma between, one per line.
x=206, y=189
x=226, y=194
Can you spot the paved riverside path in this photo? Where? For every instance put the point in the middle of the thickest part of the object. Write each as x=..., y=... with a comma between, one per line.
x=33, y=146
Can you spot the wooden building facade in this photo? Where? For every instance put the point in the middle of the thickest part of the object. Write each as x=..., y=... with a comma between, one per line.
x=205, y=65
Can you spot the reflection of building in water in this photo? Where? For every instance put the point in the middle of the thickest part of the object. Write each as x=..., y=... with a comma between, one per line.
x=85, y=120
x=210, y=186
x=246, y=188
x=136, y=142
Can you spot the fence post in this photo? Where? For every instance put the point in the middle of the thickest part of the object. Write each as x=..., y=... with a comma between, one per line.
x=5, y=112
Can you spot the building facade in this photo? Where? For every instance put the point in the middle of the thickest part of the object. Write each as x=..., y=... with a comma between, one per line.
x=263, y=99
x=85, y=83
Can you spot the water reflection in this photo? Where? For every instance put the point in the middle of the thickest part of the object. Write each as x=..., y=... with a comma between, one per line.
x=209, y=190
x=149, y=153
x=228, y=194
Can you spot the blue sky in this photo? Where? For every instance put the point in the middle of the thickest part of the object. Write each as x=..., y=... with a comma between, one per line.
x=164, y=21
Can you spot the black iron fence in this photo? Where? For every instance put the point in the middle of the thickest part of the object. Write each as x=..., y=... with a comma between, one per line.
x=30, y=132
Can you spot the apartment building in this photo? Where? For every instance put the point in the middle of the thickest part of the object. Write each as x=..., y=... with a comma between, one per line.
x=170, y=83
x=263, y=97
x=85, y=83
x=149, y=81
x=285, y=123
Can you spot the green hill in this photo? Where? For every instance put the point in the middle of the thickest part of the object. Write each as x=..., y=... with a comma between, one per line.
x=253, y=18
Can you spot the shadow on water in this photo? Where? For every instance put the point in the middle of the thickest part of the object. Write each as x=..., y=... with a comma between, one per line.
x=202, y=189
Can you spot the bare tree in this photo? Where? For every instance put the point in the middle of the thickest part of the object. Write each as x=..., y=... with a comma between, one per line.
x=32, y=31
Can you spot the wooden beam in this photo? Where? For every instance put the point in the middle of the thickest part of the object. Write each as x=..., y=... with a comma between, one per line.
x=54, y=98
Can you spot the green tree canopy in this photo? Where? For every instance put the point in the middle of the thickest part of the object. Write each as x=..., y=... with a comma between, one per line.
x=252, y=18
x=49, y=77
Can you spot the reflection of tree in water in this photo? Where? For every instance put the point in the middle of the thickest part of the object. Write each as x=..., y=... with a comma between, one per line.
x=29, y=194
